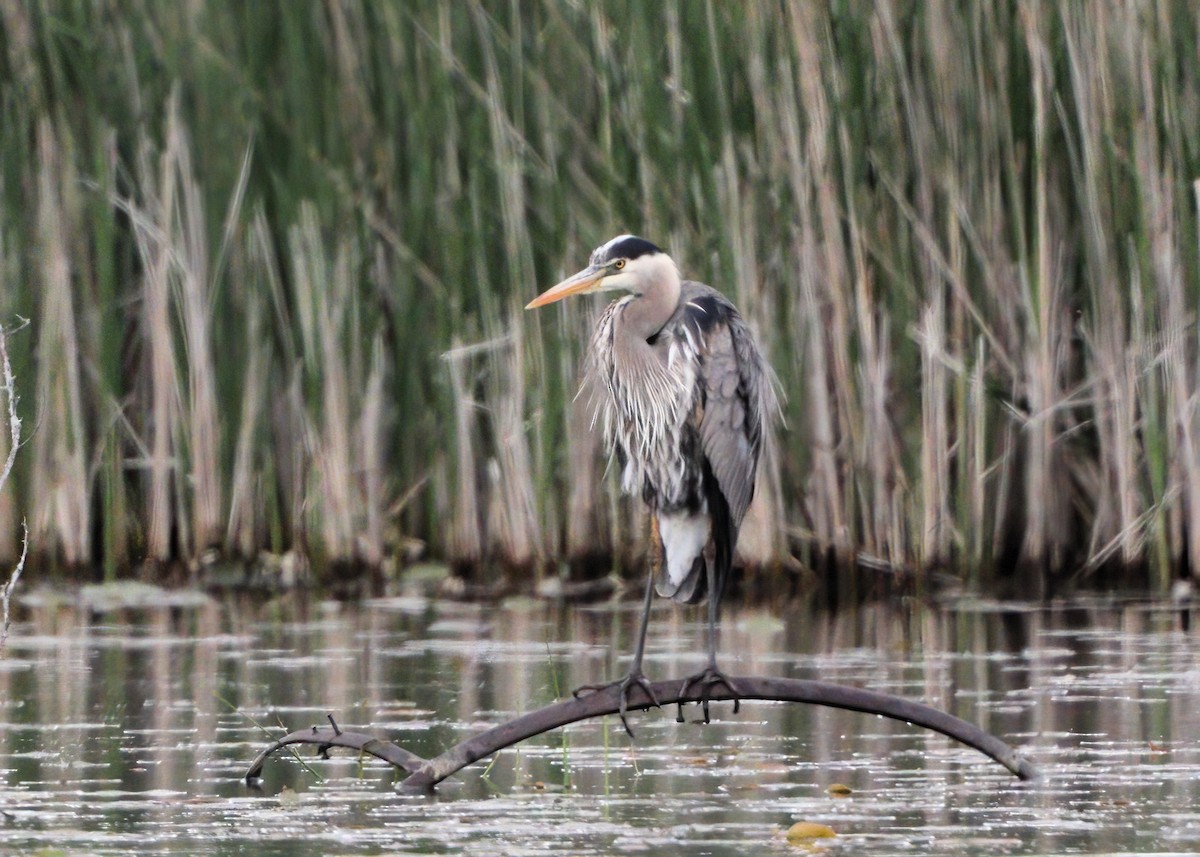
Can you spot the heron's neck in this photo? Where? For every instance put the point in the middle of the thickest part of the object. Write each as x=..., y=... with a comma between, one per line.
x=646, y=314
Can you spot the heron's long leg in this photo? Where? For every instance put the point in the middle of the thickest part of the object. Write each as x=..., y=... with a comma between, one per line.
x=710, y=676
x=635, y=676
x=647, y=600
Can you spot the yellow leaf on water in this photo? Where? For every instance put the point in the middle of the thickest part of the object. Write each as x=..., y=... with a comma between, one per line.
x=839, y=790
x=806, y=831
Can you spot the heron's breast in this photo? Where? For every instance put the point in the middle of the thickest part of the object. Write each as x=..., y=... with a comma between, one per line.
x=649, y=415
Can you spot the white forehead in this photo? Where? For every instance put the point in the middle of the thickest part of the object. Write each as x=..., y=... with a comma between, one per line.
x=602, y=251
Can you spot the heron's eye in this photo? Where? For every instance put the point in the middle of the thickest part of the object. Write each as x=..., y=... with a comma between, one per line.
x=619, y=264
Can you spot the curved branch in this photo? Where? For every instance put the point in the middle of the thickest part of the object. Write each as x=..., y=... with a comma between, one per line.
x=425, y=774
x=325, y=737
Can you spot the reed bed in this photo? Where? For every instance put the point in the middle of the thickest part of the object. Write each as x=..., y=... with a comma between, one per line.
x=274, y=256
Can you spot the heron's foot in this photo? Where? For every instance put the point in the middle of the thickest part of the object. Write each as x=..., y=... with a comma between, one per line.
x=622, y=685
x=709, y=678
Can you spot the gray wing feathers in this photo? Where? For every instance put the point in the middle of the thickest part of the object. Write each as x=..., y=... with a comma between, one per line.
x=727, y=428
x=737, y=394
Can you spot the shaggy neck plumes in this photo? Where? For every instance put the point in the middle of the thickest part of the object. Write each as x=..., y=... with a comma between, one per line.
x=646, y=401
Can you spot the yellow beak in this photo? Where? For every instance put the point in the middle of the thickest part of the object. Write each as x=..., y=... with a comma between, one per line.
x=587, y=280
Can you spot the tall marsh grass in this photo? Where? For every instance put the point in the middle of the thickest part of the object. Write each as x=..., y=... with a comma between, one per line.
x=275, y=255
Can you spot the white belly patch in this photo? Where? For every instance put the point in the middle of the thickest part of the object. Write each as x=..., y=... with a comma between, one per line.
x=684, y=537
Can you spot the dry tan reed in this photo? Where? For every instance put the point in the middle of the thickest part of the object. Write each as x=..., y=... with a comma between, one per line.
x=62, y=511
x=466, y=543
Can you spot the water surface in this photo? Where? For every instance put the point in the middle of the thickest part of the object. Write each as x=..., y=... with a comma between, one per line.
x=127, y=720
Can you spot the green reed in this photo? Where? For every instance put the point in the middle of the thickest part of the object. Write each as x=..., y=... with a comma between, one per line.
x=275, y=255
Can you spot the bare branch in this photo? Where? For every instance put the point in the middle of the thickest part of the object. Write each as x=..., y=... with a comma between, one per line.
x=11, y=585
x=14, y=430
x=424, y=774
x=14, y=422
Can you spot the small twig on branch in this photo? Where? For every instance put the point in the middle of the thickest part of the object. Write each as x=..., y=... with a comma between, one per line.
x=14, y=430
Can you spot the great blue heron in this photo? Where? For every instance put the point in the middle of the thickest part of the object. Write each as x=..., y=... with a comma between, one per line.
x=686, y=396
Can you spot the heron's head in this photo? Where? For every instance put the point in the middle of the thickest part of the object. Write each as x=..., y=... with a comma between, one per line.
x=626, y=262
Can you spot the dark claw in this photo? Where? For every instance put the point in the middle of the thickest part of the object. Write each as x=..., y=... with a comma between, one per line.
x=709, y=678
x=622, y=686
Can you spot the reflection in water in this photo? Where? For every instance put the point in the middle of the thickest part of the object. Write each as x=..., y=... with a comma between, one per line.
x=125, y=729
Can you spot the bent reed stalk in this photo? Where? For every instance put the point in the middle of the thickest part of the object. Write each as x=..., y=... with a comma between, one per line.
x=274, y=257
